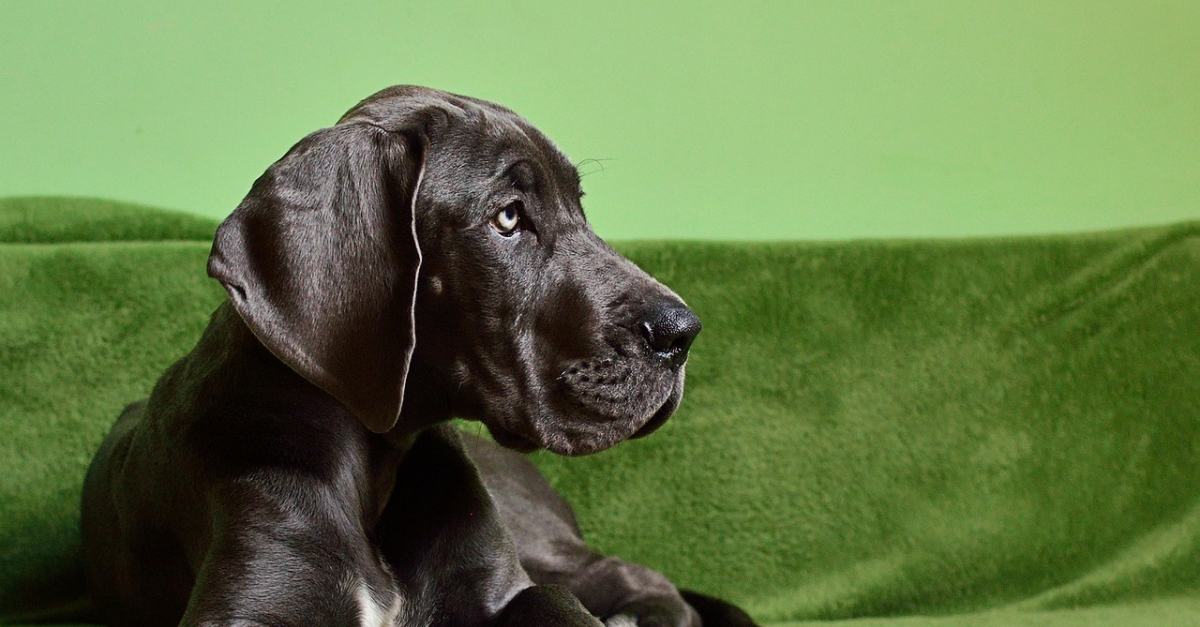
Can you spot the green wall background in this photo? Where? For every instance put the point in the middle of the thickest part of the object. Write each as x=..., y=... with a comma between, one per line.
x=744, y=120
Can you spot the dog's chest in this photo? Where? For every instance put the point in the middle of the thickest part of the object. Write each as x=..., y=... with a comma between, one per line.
x=377, y=608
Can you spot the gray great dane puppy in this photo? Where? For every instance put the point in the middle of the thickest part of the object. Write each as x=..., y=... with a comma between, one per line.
x=427, y=257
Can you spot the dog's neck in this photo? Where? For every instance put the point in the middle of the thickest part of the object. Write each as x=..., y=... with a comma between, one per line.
x=231, y=376
x=235, y=362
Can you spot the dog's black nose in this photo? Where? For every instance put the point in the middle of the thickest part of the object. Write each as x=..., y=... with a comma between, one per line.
x=669, y=329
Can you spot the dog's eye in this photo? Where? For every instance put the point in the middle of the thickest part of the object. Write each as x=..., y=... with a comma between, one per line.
x=508, y=219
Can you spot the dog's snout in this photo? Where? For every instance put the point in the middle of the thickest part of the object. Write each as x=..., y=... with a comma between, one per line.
x=669, y=329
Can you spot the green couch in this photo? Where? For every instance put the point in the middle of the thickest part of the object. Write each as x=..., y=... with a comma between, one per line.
x=969, y=432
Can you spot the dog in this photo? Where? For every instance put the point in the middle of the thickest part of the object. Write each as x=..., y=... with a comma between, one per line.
x=425, y=258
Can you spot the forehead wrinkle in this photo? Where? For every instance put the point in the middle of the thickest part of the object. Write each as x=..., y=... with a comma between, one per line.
x=559, y=169
x=520, y=141
x=504, y=121
x=545, y=161
x=546, y=149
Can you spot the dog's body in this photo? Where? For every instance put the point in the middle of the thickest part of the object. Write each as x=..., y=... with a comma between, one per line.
x=425, y=258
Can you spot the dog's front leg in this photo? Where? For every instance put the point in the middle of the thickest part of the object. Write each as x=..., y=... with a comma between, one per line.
x=543, y=605
x=450, y=553
x=283, y=553
x=551, y=548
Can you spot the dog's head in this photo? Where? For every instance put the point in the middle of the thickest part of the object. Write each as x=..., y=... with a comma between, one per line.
x=444, y=235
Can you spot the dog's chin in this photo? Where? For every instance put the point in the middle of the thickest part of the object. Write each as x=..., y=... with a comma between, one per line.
x=580, y=429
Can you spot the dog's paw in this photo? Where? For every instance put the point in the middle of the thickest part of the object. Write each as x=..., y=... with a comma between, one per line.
x=648, y=614
x=621, y=620
x=716, y=612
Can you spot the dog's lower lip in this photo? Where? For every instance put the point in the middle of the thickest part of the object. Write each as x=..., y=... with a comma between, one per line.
x=657, y=420
x=512, y=440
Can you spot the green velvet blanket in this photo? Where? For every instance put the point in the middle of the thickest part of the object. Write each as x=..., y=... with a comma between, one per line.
x=970, y=432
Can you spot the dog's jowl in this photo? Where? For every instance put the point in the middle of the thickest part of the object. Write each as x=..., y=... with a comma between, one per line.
x=425, y=258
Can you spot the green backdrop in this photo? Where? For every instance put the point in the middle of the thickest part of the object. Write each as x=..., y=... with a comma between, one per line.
x=745, y=120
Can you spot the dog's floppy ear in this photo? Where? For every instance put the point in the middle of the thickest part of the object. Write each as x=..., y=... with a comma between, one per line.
x=321, y=260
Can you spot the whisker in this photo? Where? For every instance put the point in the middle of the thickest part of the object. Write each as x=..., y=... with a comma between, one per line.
x=599, y=162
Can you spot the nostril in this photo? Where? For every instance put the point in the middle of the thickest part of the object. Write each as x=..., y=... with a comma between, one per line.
x=682, y=343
